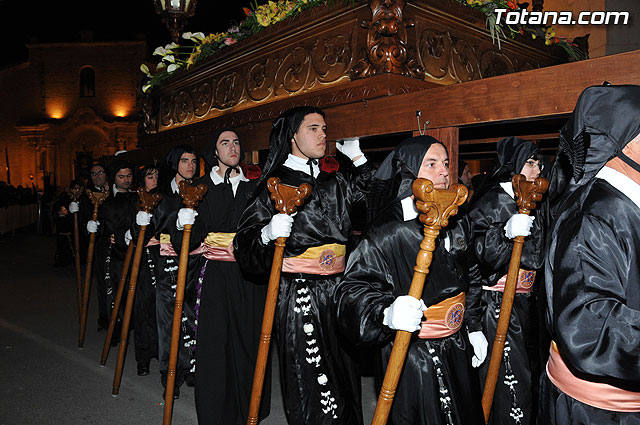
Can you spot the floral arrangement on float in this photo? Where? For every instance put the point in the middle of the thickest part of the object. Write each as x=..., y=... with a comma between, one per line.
x=198, y=46
x=488, y=7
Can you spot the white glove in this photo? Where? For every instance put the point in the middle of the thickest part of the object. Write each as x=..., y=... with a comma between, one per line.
x=127, y=237
x=480, y=345
x=279, y=227
x=350, y=148
x=405, y=314
x=185, y=216
x=518, y=225
x=92, y=226
x=143, y=218
x=74, y=207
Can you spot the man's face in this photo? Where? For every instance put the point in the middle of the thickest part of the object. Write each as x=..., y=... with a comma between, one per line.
x=435, y=166
x=123, y=179
x=228, y=148
x=531, y=169
x=151, y=180
x=187, y=165
x=466, y=176
x=98, y=176
x=310, y=139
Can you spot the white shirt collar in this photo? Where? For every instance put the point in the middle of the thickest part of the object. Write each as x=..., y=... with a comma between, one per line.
x=300, y=164
x=508, y=187
x=174, y=186
x=116, y=191
x=621, y=182
x=235, y=180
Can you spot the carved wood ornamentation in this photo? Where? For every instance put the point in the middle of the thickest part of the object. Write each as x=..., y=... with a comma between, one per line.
x=387, y=42
x=281, y=74
x=446, y=57
x=324, y=58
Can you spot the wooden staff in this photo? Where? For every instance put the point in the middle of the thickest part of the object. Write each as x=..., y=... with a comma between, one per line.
x=436, y=206
x=148, y=202
x=96, y=198
x=116, y=305
x=75, y=195
x=287, y=198
x=191, y=196
x=526, y=194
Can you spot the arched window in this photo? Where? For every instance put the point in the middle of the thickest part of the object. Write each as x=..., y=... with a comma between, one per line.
x=87, y=82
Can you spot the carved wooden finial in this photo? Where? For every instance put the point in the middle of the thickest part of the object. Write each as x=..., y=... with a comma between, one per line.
x=96, y=198
x=437, y=205
x=75, y=193
x=191, y=195
x=287, y=198
x=148, y=201
x=528, y=193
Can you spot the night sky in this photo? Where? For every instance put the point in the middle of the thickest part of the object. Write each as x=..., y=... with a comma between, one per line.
x=42, y=21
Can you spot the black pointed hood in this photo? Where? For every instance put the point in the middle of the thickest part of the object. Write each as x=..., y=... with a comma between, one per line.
x=394, y=179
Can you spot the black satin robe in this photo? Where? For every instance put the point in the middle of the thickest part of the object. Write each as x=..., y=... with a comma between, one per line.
x=594, y=269
x=115, y=219
x=516, y=395
x=229, y=317
x=164, y=221
x=379, y=270
x=321, y=386
x=145, y=324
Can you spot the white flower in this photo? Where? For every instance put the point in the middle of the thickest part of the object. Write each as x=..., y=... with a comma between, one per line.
x=172, y=67
x=195, y=36
x=160, y=51
x=198, y=36
x=145, y=88
x=322, y=379
x=169, y=47
x=145, y=69
x=169, y=58
x=161, y=66
x=308, y=328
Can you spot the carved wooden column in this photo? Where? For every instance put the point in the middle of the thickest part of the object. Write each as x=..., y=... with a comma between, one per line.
x=387, y=42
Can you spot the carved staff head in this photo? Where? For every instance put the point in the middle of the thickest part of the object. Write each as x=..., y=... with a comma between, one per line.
x=75, y=193
x=287, y=198
x=528, y=193
x=97, y=198
x=191, y=195
x=437, y=205
x=148, y=201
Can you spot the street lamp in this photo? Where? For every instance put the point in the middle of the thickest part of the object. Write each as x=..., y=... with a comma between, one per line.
x=174, y=13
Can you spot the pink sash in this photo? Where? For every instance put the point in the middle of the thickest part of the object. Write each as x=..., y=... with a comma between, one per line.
x=596, y=394
x=322, y=260
x=444, y=318
x=524, y=284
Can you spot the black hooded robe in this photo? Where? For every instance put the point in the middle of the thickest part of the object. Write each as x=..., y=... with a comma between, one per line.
x=320, y=381
x=163, y=222
x=378, y=271
x=592, y=272
x=229, y=316
x=515, y=397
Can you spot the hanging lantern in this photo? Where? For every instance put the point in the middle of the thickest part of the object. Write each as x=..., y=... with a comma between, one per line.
x=174, y=13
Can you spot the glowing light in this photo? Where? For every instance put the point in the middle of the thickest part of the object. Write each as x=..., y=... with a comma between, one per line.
x=56, y=111
x=120, y=111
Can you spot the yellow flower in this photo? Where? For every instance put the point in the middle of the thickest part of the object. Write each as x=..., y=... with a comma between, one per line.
x=533, y=36
x=547, y=42
x=263, y=19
